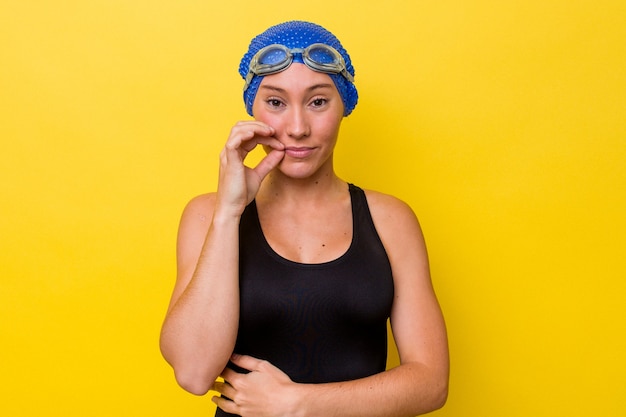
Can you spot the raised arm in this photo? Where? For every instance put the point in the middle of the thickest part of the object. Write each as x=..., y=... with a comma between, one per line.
x=200, y=327
x=417, y=386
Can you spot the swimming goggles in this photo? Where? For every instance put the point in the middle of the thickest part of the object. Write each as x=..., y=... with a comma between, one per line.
x=276, y=58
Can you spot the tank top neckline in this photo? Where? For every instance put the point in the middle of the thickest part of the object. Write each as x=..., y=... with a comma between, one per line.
x=278, y=257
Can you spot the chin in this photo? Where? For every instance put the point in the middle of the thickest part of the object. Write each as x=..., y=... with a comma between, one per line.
x=298, y=170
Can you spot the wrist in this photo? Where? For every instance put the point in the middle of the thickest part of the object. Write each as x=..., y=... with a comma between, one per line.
x=301, y=400
x=226, y=210
x=225, y=218
x=225, y=214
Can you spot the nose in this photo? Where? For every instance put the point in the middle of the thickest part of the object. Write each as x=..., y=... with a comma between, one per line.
x=297, y=126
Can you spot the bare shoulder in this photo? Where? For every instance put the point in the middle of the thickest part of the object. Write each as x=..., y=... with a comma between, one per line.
x=389, y=212
x=399, y=230
x=197, y=214
x=200, y=207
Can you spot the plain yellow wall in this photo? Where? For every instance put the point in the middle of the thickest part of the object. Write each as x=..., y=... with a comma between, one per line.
x=501, y=123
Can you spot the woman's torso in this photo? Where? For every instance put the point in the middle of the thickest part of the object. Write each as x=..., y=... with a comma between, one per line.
x=321, y=322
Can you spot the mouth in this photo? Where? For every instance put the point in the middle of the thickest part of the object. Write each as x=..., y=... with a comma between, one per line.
x=298, y=152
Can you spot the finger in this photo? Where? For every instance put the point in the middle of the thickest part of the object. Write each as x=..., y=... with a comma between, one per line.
x=244, y=131
x=229, y=376
x=224, y=389
x=251, y=129
x=271, y=142
x=269, y=162
x=225, y=404
x=246, y=362
x=249, y=139
x=254, y=123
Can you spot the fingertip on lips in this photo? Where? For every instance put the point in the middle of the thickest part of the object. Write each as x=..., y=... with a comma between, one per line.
x=280, y=146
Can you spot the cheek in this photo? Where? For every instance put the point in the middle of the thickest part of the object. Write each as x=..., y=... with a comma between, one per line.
x=330, y=127
x=268, y=118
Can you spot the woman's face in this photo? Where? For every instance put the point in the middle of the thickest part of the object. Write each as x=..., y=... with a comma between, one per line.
x=305, y=109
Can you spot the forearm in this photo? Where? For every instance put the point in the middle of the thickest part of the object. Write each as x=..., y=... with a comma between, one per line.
x=408, y=390
x=200, y=329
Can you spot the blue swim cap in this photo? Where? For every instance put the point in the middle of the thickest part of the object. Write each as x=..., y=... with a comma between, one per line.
x=298, y=34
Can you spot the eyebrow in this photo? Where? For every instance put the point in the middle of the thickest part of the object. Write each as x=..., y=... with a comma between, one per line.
x=282, y=90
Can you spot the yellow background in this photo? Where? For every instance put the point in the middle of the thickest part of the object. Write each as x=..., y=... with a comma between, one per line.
x=501, y=123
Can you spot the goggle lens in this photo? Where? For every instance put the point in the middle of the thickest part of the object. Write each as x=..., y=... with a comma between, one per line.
x=273, y=57
x=323, y=56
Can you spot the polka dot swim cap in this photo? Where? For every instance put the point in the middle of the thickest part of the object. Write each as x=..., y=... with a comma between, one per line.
x=298, y=34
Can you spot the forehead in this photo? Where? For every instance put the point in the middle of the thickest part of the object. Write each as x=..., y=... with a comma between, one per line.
x=298, y=77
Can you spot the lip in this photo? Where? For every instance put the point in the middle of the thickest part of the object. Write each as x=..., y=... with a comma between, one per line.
x=298, y=152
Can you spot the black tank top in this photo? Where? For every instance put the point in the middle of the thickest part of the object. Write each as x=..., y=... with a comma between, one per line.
x=316, y=322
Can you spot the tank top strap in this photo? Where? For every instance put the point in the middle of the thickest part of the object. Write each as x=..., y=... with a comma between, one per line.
x=364, y=229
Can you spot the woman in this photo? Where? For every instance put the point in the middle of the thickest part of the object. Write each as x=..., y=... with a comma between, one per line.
x=288, y=274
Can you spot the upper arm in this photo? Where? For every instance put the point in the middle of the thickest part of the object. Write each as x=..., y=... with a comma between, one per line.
x=416, y=319
x=192, y=230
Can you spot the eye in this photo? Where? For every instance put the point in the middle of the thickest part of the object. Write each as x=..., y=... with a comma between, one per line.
x=319, y=102
x=274, y=102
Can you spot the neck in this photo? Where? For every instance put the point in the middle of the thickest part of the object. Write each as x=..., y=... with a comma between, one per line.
x=285, y=190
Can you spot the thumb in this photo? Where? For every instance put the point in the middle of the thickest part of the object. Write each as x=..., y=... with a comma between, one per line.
x=269, y=162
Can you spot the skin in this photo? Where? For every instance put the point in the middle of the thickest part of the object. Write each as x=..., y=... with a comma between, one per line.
x=305, y=213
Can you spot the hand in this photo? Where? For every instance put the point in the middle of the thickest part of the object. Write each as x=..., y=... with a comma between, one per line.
x=238, y=184
x=264, y=392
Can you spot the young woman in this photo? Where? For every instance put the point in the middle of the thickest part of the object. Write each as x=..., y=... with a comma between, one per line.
x=287, y=274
